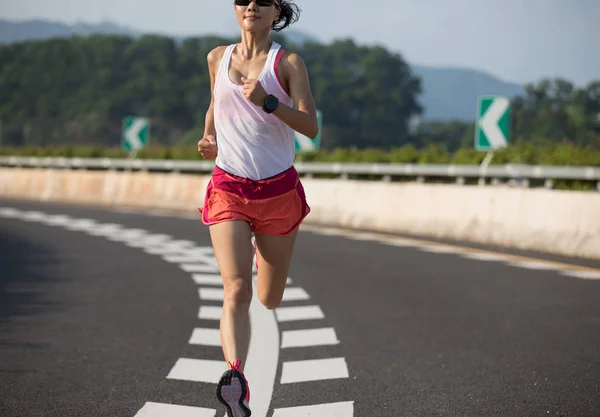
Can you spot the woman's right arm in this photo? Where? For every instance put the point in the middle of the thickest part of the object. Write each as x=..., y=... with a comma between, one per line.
x=207, y=146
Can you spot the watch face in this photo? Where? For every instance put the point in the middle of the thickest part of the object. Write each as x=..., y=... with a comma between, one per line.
x=271, y=103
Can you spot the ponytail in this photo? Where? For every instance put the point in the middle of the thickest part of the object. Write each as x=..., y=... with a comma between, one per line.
x=288, y=14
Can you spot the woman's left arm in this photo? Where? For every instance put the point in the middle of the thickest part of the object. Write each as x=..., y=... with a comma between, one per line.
x=303, y=118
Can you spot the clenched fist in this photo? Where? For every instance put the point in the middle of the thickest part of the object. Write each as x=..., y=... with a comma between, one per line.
x=254, y=91
x=207, y=147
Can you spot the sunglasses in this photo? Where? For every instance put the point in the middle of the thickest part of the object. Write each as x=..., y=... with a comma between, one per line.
x=259, y=3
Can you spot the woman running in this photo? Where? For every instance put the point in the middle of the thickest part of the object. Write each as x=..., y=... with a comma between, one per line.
x=260, y=96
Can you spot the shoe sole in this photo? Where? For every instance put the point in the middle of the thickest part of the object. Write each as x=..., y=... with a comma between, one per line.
x=231, y=392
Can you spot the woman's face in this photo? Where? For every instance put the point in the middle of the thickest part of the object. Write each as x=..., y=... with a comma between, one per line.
x=256, y=15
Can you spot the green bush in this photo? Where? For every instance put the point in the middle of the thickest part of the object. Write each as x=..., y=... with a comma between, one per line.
x=519, y=153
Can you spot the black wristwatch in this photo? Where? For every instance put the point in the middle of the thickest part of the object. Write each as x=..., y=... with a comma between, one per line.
x=270, y=104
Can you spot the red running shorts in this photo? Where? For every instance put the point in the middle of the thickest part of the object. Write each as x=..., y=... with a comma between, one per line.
x=273, y=206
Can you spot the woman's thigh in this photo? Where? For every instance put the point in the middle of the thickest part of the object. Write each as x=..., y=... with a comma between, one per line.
x=233, y=249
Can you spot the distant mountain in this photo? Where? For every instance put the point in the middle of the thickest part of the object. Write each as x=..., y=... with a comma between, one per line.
x=451, y=93
x=448, y=93
x=42, y=29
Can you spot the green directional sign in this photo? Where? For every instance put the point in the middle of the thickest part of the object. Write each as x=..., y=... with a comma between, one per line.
x=136, y=133
x=304, y=143
x=492, y=130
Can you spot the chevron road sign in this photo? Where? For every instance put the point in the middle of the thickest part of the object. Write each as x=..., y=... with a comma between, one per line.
x=493, y=123
x=136, y=133
x=304, y=143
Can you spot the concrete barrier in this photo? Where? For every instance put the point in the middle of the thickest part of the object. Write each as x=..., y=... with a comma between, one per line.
x=560, y=222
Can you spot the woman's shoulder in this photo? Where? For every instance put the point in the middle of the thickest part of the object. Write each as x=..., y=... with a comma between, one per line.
x=292, y=62
x=216, y=54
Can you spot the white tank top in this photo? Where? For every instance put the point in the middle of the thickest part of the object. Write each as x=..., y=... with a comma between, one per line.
x=251, y=143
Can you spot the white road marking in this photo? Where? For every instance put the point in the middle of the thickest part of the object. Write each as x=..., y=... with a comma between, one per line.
x=484, y=256
x=205, y=337
x=198, y=370
x=190, y=259
x=9, y=212
x=342, y=409
x=299, y=313
x=362, y=236
x=438, y=249
x=263, y=356
x=306, y=338
x=129, y=235
x=314, y=370
x=582, y=274
x=396, y=242
x=198, y=268
x=183, y=244
x=57, y=220
x=208, y=279
x=81, y=225
x=295, y=294
x=212, y=294
x=33, y=216
x=151, y=409
x=106, y=229
x=151, y=241
x=533, y=265
x=163, y=249
x=210, y=313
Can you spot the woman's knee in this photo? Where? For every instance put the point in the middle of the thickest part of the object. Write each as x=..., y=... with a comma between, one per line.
x=238, y=292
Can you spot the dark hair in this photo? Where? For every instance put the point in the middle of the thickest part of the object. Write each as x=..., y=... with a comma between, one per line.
x=289, y=13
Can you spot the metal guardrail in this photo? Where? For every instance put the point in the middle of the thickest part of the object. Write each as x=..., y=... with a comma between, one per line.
x=385, y=170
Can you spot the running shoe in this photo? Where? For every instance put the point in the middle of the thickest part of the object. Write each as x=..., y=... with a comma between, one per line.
x=234, y=393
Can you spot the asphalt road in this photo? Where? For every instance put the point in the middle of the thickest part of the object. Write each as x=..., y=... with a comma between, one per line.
x=90, y=326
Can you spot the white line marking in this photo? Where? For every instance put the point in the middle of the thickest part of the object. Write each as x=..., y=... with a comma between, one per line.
x=343, y=409
x=533, y=265
x=263, y=356
x=106, y=229
x=299, y=313
x=438, y=249
x=314, y=370
x=33, y=216
x=57, y=220
x=151, y=241
x=362, y=236
x=397, y=242
x=213, y=294
x=183, y=244
x=295, y=294
x=190, y=259
x=306, y=338
x=9, y=212
x=129, y=235
x=208, y=279
x=81, y=225
x=205, y=337
x=484, y=256
x=198, y=268
x=151, y=409
x=582, y=274
x=210, y=313
x=198, y=370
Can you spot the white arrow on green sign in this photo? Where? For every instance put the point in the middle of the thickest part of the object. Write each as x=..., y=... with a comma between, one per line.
x=136, y=133
x=493, y=123
x=304, y=143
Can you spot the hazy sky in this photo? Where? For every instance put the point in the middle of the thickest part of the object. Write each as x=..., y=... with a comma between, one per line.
x=517, y=40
